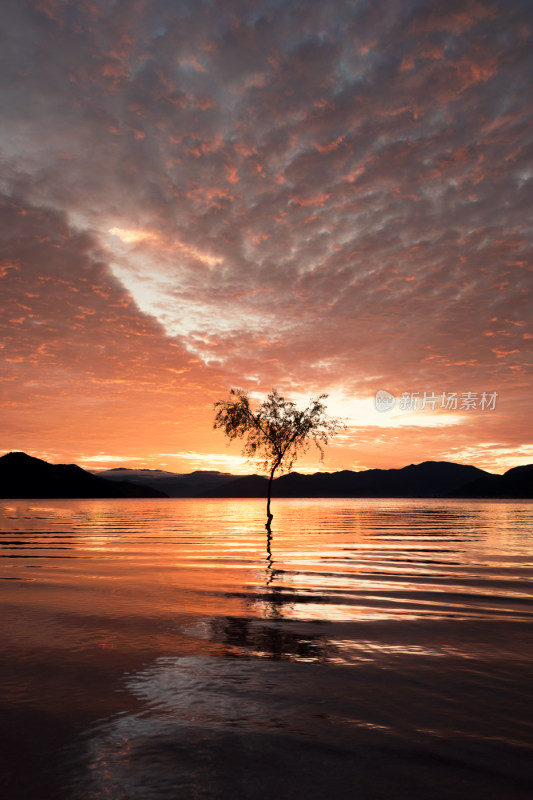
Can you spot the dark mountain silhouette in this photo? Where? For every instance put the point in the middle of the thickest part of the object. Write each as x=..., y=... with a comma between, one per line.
x=172, y=484
x=245, y=486
x=515, y=483
x=429, y=479
x=22, y=476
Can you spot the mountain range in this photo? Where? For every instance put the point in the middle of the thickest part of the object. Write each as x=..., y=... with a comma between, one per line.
x=429, y=479
x=23, y=476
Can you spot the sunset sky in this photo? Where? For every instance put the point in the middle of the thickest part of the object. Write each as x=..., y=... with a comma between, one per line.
x=318, y=197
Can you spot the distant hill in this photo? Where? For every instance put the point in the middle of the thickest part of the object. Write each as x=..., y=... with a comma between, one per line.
x=172, y=484
x=22, y=476
x=515, y=483
x=429, y=479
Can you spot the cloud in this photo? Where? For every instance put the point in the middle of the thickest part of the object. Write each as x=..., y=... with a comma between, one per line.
x=80, y=362
x=156, y=240
x=301, y=195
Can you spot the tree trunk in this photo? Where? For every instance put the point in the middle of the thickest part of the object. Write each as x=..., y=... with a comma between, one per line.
x=269, y=495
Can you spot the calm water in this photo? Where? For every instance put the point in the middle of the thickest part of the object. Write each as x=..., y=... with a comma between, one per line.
x=165, y=649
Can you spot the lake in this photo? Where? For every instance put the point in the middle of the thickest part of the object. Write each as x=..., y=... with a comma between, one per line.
x=166, y=649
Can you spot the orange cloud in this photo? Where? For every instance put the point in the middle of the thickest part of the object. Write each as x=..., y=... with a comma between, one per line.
x=338, y=204
x=129, y=236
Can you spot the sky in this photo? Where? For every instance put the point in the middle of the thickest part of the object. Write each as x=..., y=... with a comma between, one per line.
x=314, y=197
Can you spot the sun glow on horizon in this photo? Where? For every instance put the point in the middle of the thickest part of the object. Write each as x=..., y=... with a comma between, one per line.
x=358, y=411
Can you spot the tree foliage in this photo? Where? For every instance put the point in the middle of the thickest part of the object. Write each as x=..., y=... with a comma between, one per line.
x=277, y=432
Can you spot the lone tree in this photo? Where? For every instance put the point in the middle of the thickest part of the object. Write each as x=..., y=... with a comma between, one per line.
x=277, y=432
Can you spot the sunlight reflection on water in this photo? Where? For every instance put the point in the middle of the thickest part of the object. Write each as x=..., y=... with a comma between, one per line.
x=171, y=650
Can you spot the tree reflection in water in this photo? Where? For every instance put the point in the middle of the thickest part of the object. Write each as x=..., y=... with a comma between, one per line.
x=271, y=635
x=271, y=639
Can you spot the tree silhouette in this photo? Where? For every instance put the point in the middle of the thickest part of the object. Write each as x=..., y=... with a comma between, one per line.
x=277, y=431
